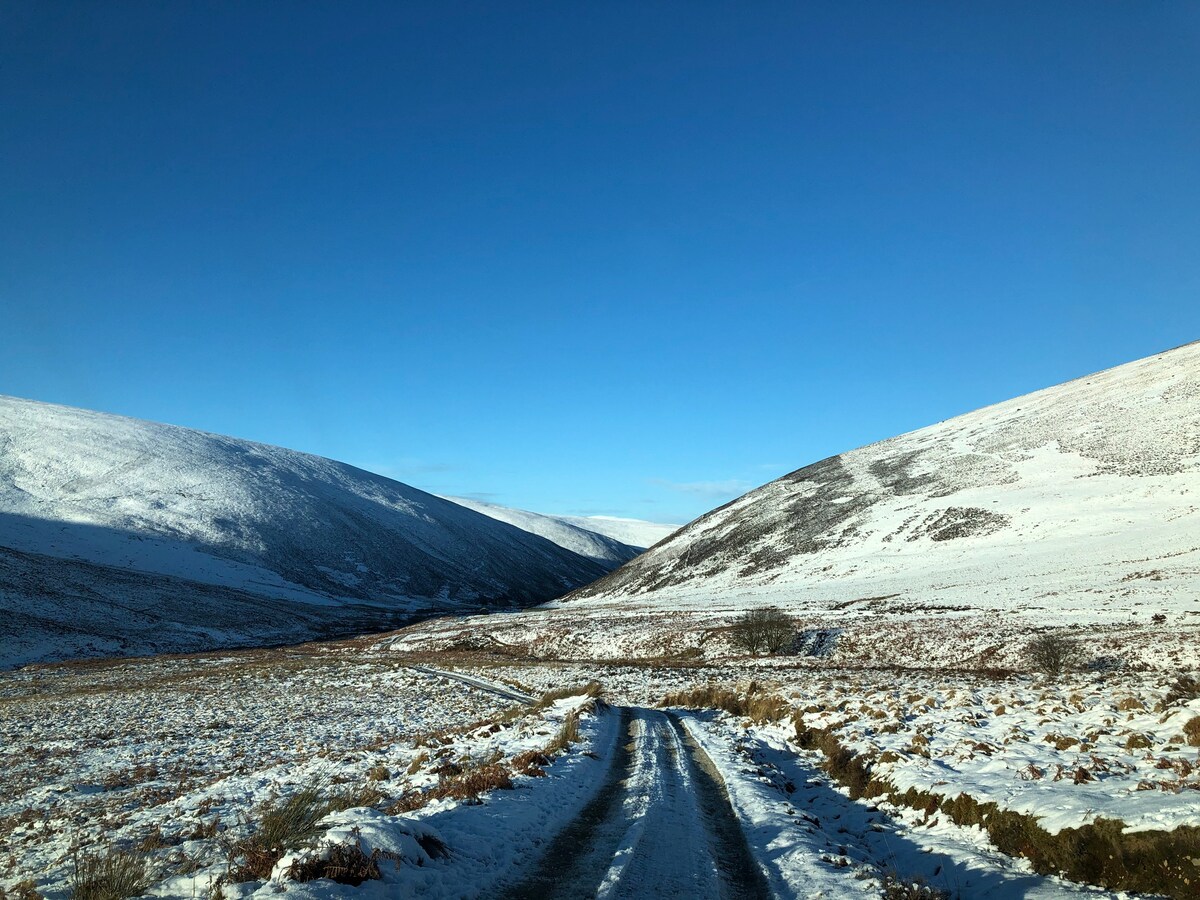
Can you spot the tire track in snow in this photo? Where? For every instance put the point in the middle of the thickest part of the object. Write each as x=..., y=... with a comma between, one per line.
x=660, y=826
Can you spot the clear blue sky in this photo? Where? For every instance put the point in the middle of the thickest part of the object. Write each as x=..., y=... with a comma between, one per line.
x=613, y=257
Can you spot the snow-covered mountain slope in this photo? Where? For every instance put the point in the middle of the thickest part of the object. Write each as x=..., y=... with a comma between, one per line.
x=124, y=536
x=1076, y=504
x=577, y=538
x=634, y=532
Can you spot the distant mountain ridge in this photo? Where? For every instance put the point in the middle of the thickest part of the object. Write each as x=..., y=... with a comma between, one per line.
x=597, y=547
x=124, y=536
x=1078, y=503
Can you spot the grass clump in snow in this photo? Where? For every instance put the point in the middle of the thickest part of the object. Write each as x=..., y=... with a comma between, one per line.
x=755, y=703
x=22, y=890
x=345, y=863
x=567, y=735
x=1185, y=689
x=1191, y=731
x=109, y=875
x=287, y=826
x=548, y=699
x=457, y=782
x=897, y=887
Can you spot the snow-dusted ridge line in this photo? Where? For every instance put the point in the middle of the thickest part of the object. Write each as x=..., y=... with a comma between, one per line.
x=98, y=512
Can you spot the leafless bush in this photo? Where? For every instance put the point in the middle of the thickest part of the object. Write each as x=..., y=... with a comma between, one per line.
x=758, y=630
x=1053, y=653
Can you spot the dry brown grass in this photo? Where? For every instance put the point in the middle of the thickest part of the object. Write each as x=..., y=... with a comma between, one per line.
x=1191, y=731
x=755, y=703
x=287, y=826
x=22, y=890
x=591, y=689
x=567, y=735
x=531, y=762
x=109, y=875
x=345, y=863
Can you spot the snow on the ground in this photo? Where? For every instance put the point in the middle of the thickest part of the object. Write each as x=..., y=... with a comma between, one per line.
x=1073, y=506
x=813, y=836
x=119, y=536
x=177, y=757
x=952, y=733
x=634, y=532
x=916, y=639
x=571, y=534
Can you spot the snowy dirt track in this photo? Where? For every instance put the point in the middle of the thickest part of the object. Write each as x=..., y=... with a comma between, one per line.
x=661, y=826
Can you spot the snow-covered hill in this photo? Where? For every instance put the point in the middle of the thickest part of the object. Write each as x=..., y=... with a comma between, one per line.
x=1076, y=504
x=634, y=532
x=569, y=534
x=124, y=536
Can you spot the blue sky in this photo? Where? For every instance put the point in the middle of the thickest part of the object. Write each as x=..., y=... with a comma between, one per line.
x=618, y=258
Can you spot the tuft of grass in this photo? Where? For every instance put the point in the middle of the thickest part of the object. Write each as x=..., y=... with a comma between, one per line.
x=1185, y=689
x=109, y=875
x=419, y=760
x=531, y=762
x=755, y=704
x=896, y=887
x=591, y=689
x=22, y=890
x=1191, y=730
x=287, y=826
x=567, y=735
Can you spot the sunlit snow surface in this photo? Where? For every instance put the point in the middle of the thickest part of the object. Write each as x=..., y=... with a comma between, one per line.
x=1073, y=505
x=124, y=536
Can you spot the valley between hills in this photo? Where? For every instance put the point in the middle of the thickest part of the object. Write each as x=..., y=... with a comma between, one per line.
x=234, y=670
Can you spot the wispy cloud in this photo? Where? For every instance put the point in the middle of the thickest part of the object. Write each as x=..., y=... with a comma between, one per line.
x=730, y=487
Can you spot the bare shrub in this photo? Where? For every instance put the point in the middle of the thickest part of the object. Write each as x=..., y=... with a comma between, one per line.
x=1053, y=653
x=109, y=875
x=758, y=630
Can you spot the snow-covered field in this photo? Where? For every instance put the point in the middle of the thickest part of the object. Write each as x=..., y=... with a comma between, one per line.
x=178, y=761
x=175, y=759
